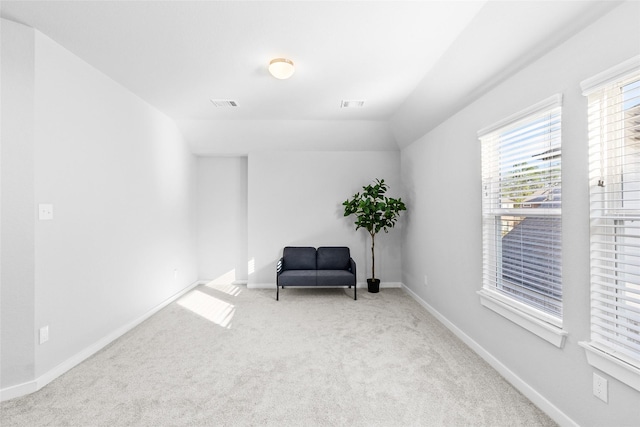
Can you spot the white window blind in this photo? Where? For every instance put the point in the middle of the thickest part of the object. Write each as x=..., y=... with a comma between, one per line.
x=521, y=209
x=614, y=172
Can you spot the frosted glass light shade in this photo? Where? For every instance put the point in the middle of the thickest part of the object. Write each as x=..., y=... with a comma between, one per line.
x=281, y=68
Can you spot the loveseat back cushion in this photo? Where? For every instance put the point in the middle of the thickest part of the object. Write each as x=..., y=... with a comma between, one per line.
x=299, y=258
x=333, y=258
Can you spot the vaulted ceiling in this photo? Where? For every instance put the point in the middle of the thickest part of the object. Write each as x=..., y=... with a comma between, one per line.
x=412, y=63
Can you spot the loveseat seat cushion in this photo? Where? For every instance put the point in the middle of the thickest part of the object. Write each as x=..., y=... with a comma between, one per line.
x=335, y=278
x=299, y=258
x=333, y=258
x=297, y=278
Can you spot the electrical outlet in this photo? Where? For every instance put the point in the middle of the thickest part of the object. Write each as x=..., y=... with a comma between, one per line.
x=44, y=334
x=45, y=211
x=175, y=273
x=426, y=280
x=600, y=388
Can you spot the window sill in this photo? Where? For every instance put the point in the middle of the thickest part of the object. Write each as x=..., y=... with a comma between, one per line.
x=611, y=365
x=544, y=330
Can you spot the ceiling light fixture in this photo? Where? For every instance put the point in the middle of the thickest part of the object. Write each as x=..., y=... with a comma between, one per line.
x=281, y=68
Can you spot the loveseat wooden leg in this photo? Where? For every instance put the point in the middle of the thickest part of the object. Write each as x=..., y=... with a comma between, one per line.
x=277, y=292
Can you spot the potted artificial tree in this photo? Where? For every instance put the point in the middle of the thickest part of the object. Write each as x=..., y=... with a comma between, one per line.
x=374, y=212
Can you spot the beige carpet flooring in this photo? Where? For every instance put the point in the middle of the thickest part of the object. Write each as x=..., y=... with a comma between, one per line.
x=224, y=355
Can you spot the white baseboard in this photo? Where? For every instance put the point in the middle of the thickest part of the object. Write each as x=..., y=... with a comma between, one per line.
x=360, y=285
x=261, y=286
x=384, y=285
x=529, y=392
x=18, y=390
x=35, y=385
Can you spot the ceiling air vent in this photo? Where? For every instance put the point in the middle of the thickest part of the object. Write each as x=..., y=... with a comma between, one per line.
x=351, y=104
x=224, y=102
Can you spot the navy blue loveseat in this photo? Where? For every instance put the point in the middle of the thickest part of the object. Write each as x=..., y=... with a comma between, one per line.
x=306, y=266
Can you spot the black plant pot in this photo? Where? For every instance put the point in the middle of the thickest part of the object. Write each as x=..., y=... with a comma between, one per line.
x=373, y=285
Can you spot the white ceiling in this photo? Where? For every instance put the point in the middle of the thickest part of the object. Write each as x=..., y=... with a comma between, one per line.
x=409, y=61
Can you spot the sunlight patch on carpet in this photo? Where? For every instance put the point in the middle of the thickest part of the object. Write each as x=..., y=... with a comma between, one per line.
x=211, y=308
x=225, y=279
x=227, y=288
x=224, y=283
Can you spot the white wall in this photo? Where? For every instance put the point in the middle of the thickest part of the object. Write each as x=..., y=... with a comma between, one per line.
x=222, y=218
x=123, y=186
x=18, y=206
x=295, y=199
x=122, y=183
x=443, y=238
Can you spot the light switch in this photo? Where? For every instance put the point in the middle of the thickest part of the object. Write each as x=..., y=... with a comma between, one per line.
x=45, y=211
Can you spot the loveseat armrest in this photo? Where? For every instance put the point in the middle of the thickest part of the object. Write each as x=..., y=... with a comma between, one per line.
x=279, y=268
x=280, y=265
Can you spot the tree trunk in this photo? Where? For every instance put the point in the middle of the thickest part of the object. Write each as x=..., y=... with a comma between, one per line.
x=373, y=256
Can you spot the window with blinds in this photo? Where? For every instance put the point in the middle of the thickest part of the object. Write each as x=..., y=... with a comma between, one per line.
x=614, y=173
x=521, y=210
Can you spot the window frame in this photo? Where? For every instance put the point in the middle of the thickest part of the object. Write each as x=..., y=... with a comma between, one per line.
x=536, y=321
x=601, y=355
